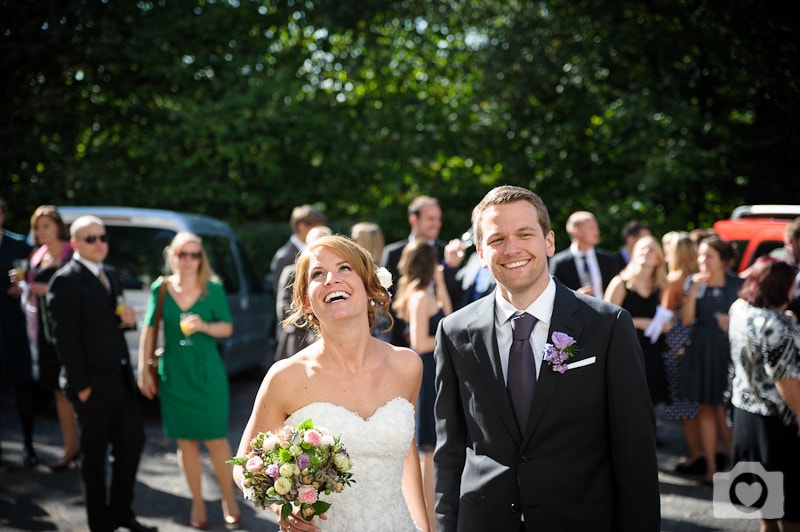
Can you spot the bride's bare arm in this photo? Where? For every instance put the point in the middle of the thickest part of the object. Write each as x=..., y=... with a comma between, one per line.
x=412, y=474
x=268, y=413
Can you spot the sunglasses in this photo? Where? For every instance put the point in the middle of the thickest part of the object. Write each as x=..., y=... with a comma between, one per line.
x=194, y=255
x=91, y=239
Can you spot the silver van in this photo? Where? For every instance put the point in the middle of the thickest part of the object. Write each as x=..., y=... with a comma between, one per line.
x=137, y=240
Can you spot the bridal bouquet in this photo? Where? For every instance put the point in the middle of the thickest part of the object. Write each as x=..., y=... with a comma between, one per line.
x=294, y=466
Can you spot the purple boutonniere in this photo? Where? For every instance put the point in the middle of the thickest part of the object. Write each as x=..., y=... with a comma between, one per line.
x=562, y=349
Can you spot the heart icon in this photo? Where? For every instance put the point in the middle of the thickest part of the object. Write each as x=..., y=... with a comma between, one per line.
x=748, y=494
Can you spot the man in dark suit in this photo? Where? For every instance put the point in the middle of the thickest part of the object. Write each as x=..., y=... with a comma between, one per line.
x=425, y=219
x=571, y=451
x=303, y=218
x=584, y=267
x=99, y=380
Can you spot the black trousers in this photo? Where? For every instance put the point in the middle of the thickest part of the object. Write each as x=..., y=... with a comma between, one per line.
x=110, y=422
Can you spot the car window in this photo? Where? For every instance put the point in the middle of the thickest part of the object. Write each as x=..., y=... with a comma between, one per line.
x=220, y=253
x=137, y=253
x=256, y=284
x=765, y=248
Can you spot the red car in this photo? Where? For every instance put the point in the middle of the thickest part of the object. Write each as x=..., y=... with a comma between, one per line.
x=756, y=230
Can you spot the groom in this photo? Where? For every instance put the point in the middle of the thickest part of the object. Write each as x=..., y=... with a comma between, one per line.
x=570, y=451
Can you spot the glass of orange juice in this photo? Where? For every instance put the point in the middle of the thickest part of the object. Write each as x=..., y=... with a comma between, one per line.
x=21, y=266
x=185, y=317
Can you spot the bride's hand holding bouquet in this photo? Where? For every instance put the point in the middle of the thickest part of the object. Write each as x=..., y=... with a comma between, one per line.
x=294, y=466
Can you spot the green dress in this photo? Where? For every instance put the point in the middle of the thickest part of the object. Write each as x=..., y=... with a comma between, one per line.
x=193, y=388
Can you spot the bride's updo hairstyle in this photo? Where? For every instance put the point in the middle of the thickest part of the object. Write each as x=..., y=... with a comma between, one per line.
x=362, y=263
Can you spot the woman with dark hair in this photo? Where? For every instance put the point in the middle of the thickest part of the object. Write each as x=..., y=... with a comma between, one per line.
x=765, y=350
x=422, y=301
x=704, y=368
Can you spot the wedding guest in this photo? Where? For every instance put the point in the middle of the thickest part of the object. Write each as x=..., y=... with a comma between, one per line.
x=425, y=220
x=632, y=232
x=353, y=384
x=293, y=339
x=681, y=257
x=88, y=333
x=422, y=301
x=765, y=349
x=16, y=365
x=519, y=444
x=370, y=237
x=584, y=267
x=704, y=367
x=791, y=240
x=54, y=251
x=638, y=289
x=193, y=384
x=303, y=218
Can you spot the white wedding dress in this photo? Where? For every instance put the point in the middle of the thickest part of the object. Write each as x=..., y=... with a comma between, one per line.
x=377, y=447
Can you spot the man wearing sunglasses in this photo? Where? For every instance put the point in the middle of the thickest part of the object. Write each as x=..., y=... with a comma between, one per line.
x=88, y=334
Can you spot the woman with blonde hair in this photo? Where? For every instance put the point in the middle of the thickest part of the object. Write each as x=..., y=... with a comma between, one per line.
x=192, y=382
x=422, y=301
x=637, y=288
x=681, y=254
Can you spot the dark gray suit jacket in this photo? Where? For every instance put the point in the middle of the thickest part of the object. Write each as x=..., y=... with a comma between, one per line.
x=587, y=460
x=562, y=266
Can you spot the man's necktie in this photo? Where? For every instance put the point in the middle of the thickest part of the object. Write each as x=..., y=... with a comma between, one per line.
x=103, y=279
x=586, y=278
x=521, y=381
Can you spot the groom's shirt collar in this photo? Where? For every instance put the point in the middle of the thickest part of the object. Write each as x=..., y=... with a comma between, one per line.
x=541, y=308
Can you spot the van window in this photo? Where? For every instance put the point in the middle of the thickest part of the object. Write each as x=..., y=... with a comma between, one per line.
x=137, y=253
x=218, y=249
x=256, y=284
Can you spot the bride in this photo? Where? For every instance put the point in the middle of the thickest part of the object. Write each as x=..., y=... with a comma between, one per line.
x=352, y=384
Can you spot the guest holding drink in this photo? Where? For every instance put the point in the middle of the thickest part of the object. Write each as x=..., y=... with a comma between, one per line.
x=765, y=350
x=704, y=368
x=192, y=382
x=422, y=301
x=52, y=236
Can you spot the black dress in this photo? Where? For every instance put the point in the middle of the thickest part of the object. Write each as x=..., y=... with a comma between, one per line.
x=426, y=422
x=640, y=307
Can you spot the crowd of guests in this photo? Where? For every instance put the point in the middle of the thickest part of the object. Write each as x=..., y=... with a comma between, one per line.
x=719, y=352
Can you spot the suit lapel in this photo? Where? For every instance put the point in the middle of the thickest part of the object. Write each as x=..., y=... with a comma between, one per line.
x=564, y=307
x=481, y=331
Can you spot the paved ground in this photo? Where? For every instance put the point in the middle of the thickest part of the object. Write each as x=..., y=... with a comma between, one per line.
x=37, y=499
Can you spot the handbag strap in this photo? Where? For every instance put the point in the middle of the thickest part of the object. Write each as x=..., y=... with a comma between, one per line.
x=162, y=291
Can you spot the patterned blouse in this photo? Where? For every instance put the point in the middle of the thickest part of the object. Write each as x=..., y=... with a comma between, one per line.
x=765, y=347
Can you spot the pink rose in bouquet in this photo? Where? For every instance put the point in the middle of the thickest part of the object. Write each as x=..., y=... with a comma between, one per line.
x=293, y=467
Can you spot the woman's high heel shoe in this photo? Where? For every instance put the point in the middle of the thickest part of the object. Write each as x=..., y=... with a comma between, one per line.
x=232, y=520
x=65, y=462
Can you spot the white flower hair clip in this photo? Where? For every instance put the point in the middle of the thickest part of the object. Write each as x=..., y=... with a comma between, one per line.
x=385, y=278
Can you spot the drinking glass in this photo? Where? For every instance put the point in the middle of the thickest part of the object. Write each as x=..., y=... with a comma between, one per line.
x=185, y=317
x=21, y=266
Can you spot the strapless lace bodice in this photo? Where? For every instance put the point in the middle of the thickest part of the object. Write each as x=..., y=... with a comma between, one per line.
x=377, y=447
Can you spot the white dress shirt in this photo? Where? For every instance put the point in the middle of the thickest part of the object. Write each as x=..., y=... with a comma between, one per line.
x=594, y=268
x=541, y=309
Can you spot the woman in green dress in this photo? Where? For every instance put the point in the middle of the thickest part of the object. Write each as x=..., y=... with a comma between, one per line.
x=192, y=384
